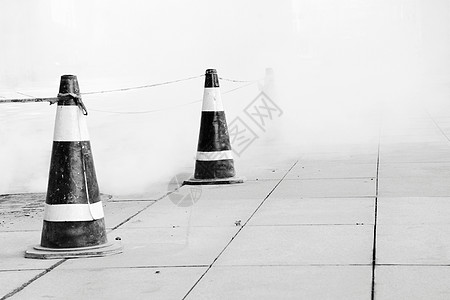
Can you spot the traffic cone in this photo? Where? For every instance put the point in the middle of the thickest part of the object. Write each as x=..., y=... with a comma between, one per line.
x=214, y=163
x=268, y=87
x=269, y=93
x=74, y=223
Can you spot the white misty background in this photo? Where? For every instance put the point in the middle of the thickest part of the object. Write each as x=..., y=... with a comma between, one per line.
x=336, y=63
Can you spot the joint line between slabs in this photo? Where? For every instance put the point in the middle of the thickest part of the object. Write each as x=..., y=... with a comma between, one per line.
x=240, y=229
x=437, y=126
x=147, y=206
x=15, y=291
x=374, y=244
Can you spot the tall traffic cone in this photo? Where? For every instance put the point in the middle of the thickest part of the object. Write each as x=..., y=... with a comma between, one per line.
x=214, y=163
x=74, y=223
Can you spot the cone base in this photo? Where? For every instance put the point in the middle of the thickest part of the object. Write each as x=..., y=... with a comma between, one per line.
x=40, y=252
x=230, y=180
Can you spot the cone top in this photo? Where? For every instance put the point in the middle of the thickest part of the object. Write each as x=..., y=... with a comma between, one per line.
x=211, y=78
x=68, y=84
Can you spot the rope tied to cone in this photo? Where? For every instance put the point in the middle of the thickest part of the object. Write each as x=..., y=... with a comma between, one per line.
x=75, y=97
x=78, y=100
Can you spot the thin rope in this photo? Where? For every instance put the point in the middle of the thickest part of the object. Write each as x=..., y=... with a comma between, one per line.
x=239, y=87
x=49, y=99
x=141, y=86
x=235, y=80
x=23, y=94
x=166, y=108
x=145, y=111
x=55, y=99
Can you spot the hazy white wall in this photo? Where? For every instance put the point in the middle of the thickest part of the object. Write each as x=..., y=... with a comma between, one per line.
x=154, y=39
x=336, y=62
x=100, y=38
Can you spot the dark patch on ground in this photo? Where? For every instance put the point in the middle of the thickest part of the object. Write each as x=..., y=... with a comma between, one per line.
x=21, y=204
x=27, y=203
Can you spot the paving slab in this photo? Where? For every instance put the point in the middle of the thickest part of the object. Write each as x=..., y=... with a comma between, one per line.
x=247, y=190
x=285, y=282
x=295, y=211
x=25, y=212
x=114, y=283
x=424, y=186
x=22, y=212
x=444, y=125
x=443, y=118
x=365, y=156
x=118, y=212
x=300, y=245
x=19, y=222
x=115, y=214
x=178, y=246
x=412, y=282
x=414, y=152
x=406, y=122
x=413, y=244
x=434, y=138
x=202, y=212
x=428, y=170
x=429, y=130
x=14, y=245
x=155, y=189
x=413, y=210
x=270, y=170
x=264, y=173
x=10, y=280
x=320, y=188
x=308, y=170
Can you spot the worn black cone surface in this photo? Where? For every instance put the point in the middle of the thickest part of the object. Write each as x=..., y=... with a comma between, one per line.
x=214, y=163
x=74, y=224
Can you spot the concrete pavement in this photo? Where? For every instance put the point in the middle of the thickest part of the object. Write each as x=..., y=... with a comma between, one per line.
x=350, y=221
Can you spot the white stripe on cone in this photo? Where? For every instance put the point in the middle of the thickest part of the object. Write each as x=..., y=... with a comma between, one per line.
x=73, y=212
x=70, y=124
x=212, y=100
x=214, y=155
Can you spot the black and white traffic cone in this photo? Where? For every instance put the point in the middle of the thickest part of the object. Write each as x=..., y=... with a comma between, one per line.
x=74, y=223
x=214, y=162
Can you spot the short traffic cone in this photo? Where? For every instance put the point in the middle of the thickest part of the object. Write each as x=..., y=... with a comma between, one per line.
x=74, y=223
x=269, y=83
x=214, y=163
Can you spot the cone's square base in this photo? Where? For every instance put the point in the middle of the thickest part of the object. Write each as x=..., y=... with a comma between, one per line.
x=40, y=252
x=230, y=180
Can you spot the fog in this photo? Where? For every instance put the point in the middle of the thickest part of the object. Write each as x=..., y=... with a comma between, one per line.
x=337, y=65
